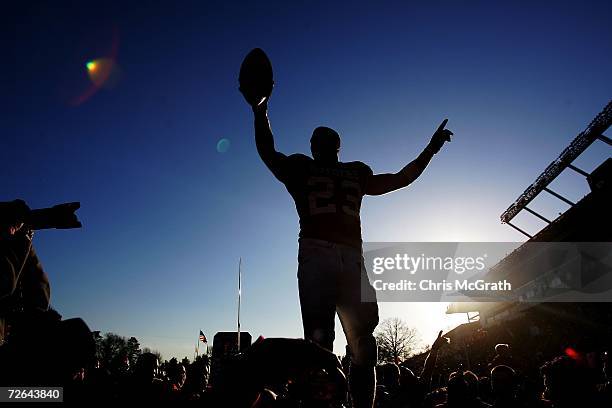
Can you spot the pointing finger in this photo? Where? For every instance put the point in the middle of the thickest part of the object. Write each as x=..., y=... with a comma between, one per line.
x=444, y=122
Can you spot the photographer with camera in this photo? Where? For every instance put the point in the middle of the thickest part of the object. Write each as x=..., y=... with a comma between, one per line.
x=25, y=314
x=24, y=285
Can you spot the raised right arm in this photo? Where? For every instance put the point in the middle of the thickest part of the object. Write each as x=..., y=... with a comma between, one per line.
x=264, y=140
x=432, y=357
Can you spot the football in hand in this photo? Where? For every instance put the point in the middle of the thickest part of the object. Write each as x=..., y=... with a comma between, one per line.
x=256, y=78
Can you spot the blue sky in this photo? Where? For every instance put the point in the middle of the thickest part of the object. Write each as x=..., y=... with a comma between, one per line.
x=166, y=216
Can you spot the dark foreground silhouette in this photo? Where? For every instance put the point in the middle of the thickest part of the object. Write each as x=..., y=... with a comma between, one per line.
x=299, y=373
x=40, y=349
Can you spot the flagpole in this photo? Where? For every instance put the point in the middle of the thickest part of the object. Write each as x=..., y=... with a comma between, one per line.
x=196, y=352
x=198, y=345
x=239, y=296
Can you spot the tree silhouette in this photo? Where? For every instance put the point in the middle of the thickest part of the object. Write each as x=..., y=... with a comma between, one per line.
x=155, y=352
x=98, y=340
x=133, y=350
x=395, y=339
x=112, y=348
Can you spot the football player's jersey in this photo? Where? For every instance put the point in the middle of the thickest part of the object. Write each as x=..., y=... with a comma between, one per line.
x=327, y=197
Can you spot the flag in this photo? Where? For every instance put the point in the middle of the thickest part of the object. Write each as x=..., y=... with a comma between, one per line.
x=203, y=337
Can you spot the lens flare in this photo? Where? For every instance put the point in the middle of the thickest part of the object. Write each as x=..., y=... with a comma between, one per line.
x=571, y=353
x=100, y=71
x=223, y=145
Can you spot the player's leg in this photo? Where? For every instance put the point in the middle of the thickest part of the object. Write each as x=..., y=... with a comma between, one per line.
x=359, y=319
x=318, y=262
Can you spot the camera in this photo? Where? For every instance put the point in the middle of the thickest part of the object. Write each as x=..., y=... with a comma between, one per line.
x=61, y=216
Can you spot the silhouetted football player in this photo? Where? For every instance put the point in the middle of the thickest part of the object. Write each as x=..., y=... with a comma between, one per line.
x=327, y=195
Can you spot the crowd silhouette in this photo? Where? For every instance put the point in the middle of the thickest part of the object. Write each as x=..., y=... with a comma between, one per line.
x=278, y=372
x=534, y=367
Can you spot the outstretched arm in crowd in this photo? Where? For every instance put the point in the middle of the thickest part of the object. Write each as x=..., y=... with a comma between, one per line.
x=432, y=357
x=384, y=183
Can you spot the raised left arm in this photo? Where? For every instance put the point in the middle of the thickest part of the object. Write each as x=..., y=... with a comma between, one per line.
x=385, y=183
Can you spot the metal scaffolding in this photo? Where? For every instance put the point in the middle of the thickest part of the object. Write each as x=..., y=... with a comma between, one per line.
x=593, y=132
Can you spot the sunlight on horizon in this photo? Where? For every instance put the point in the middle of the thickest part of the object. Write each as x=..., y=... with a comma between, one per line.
x=427, y=317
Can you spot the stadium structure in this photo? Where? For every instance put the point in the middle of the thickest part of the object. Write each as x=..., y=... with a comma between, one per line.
x=585, y=325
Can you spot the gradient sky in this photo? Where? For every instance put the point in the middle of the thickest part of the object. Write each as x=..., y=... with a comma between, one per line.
x=166, y=216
